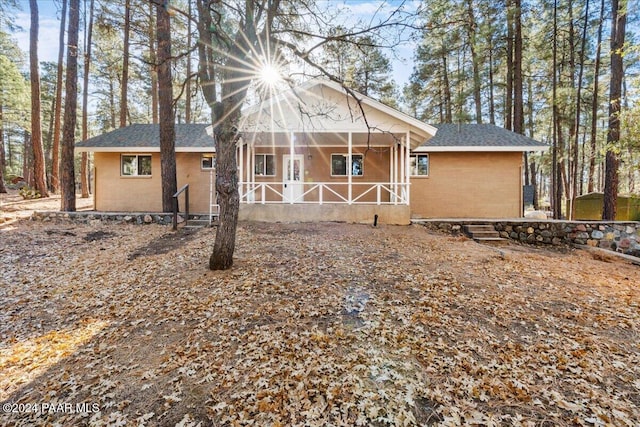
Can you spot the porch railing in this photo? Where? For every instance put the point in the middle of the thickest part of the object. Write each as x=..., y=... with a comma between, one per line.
x=324, y=193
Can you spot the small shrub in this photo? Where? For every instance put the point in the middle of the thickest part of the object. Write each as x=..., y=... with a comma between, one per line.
x=28, y=193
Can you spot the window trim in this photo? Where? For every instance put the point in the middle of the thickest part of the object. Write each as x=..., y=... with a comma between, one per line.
x=255, y=164
x=213, y=163
x=137, y=156
x=346, y=155
x=417, y=155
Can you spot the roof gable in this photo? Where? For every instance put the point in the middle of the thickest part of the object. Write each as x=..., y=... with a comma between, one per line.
x=479, y=137
x=321, y=106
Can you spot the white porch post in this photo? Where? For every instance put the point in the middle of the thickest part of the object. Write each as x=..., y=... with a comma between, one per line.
x=350, y=166
x=395, y=173
x=292, y=151
x=403, y=169
x=408, y=171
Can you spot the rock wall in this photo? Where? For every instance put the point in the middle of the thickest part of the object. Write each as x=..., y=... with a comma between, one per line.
x=617, y=236
x=89, y=216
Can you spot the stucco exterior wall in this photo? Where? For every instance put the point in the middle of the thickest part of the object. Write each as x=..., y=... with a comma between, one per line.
x=116, y=193
x=469, y=185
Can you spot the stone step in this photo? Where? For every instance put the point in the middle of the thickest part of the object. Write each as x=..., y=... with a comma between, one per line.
x=484, y=233
x=471, y=228
x=491, y=240
x=492, y=233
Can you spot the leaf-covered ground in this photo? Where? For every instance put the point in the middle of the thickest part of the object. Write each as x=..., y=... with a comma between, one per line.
x=316, y=325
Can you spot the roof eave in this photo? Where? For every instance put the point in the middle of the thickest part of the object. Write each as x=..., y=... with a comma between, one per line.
x=480, y=148
x=142, y=149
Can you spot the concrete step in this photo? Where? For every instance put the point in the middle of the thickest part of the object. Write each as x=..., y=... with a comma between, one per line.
x=471, y=228
x=484, y=233
x=491, y=240
x=480, y=234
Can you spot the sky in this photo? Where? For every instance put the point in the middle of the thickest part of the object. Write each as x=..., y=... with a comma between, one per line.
x=49, y=32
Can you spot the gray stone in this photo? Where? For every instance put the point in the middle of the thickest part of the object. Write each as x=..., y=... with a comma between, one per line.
x=546, y=233
x=556, y=241
x=630, y=230
x=128, y=218
x=597, y=234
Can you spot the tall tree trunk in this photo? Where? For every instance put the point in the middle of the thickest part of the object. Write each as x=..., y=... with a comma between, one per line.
x=39, y=168
x=125, y=65
x=508, y=105
x=534, y=183
x=471, y=30
x=518, y=101
x=492, y=103
x=67, y=166
x=187, y=107
x=55, y=150
x=556, y=187
x=447, y=88
x=3, y=161
x=27, y=160
x=153, y=65
x=84, y=173
x=594, y=104
x=112, y=100
x=576, y=125
x=167, y=114
x=618, y=23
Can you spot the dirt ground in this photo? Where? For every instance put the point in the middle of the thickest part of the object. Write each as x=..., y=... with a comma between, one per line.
x=316, y=324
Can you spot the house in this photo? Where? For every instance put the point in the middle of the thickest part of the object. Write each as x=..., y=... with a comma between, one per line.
x=316, y=153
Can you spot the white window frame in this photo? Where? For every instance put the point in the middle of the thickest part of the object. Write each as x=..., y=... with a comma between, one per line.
x=346, y=157
x=264, y=163
x=137, y=166
x=414, y=167
x=204, y=156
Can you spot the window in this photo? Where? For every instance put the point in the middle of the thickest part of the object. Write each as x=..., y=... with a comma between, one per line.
x=208, y=161
x=339, y=164
x=419, y=164
x=265, y=164
x=135, y=165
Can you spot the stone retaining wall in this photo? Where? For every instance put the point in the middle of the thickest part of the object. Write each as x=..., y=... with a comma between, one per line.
x=90, y=216
x=617, y=236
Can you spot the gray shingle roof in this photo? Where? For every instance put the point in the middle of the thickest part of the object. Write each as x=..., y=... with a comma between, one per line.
x=478, y=135
x=147, y=136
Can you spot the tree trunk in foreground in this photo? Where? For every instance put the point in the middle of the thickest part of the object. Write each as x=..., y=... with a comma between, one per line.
x=39, y=170
x=55, y=150
x=618, y=23
x=167, y=115
x=67, y=166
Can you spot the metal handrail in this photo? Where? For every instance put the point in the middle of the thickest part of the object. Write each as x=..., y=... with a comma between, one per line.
x=185, y=189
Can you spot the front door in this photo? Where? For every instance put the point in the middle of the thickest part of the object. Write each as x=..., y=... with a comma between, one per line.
x=293, y=178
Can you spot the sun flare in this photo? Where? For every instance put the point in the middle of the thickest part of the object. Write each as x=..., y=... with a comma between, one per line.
x=269, y=74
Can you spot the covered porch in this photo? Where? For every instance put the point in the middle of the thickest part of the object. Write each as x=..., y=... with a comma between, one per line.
x=314, y=157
